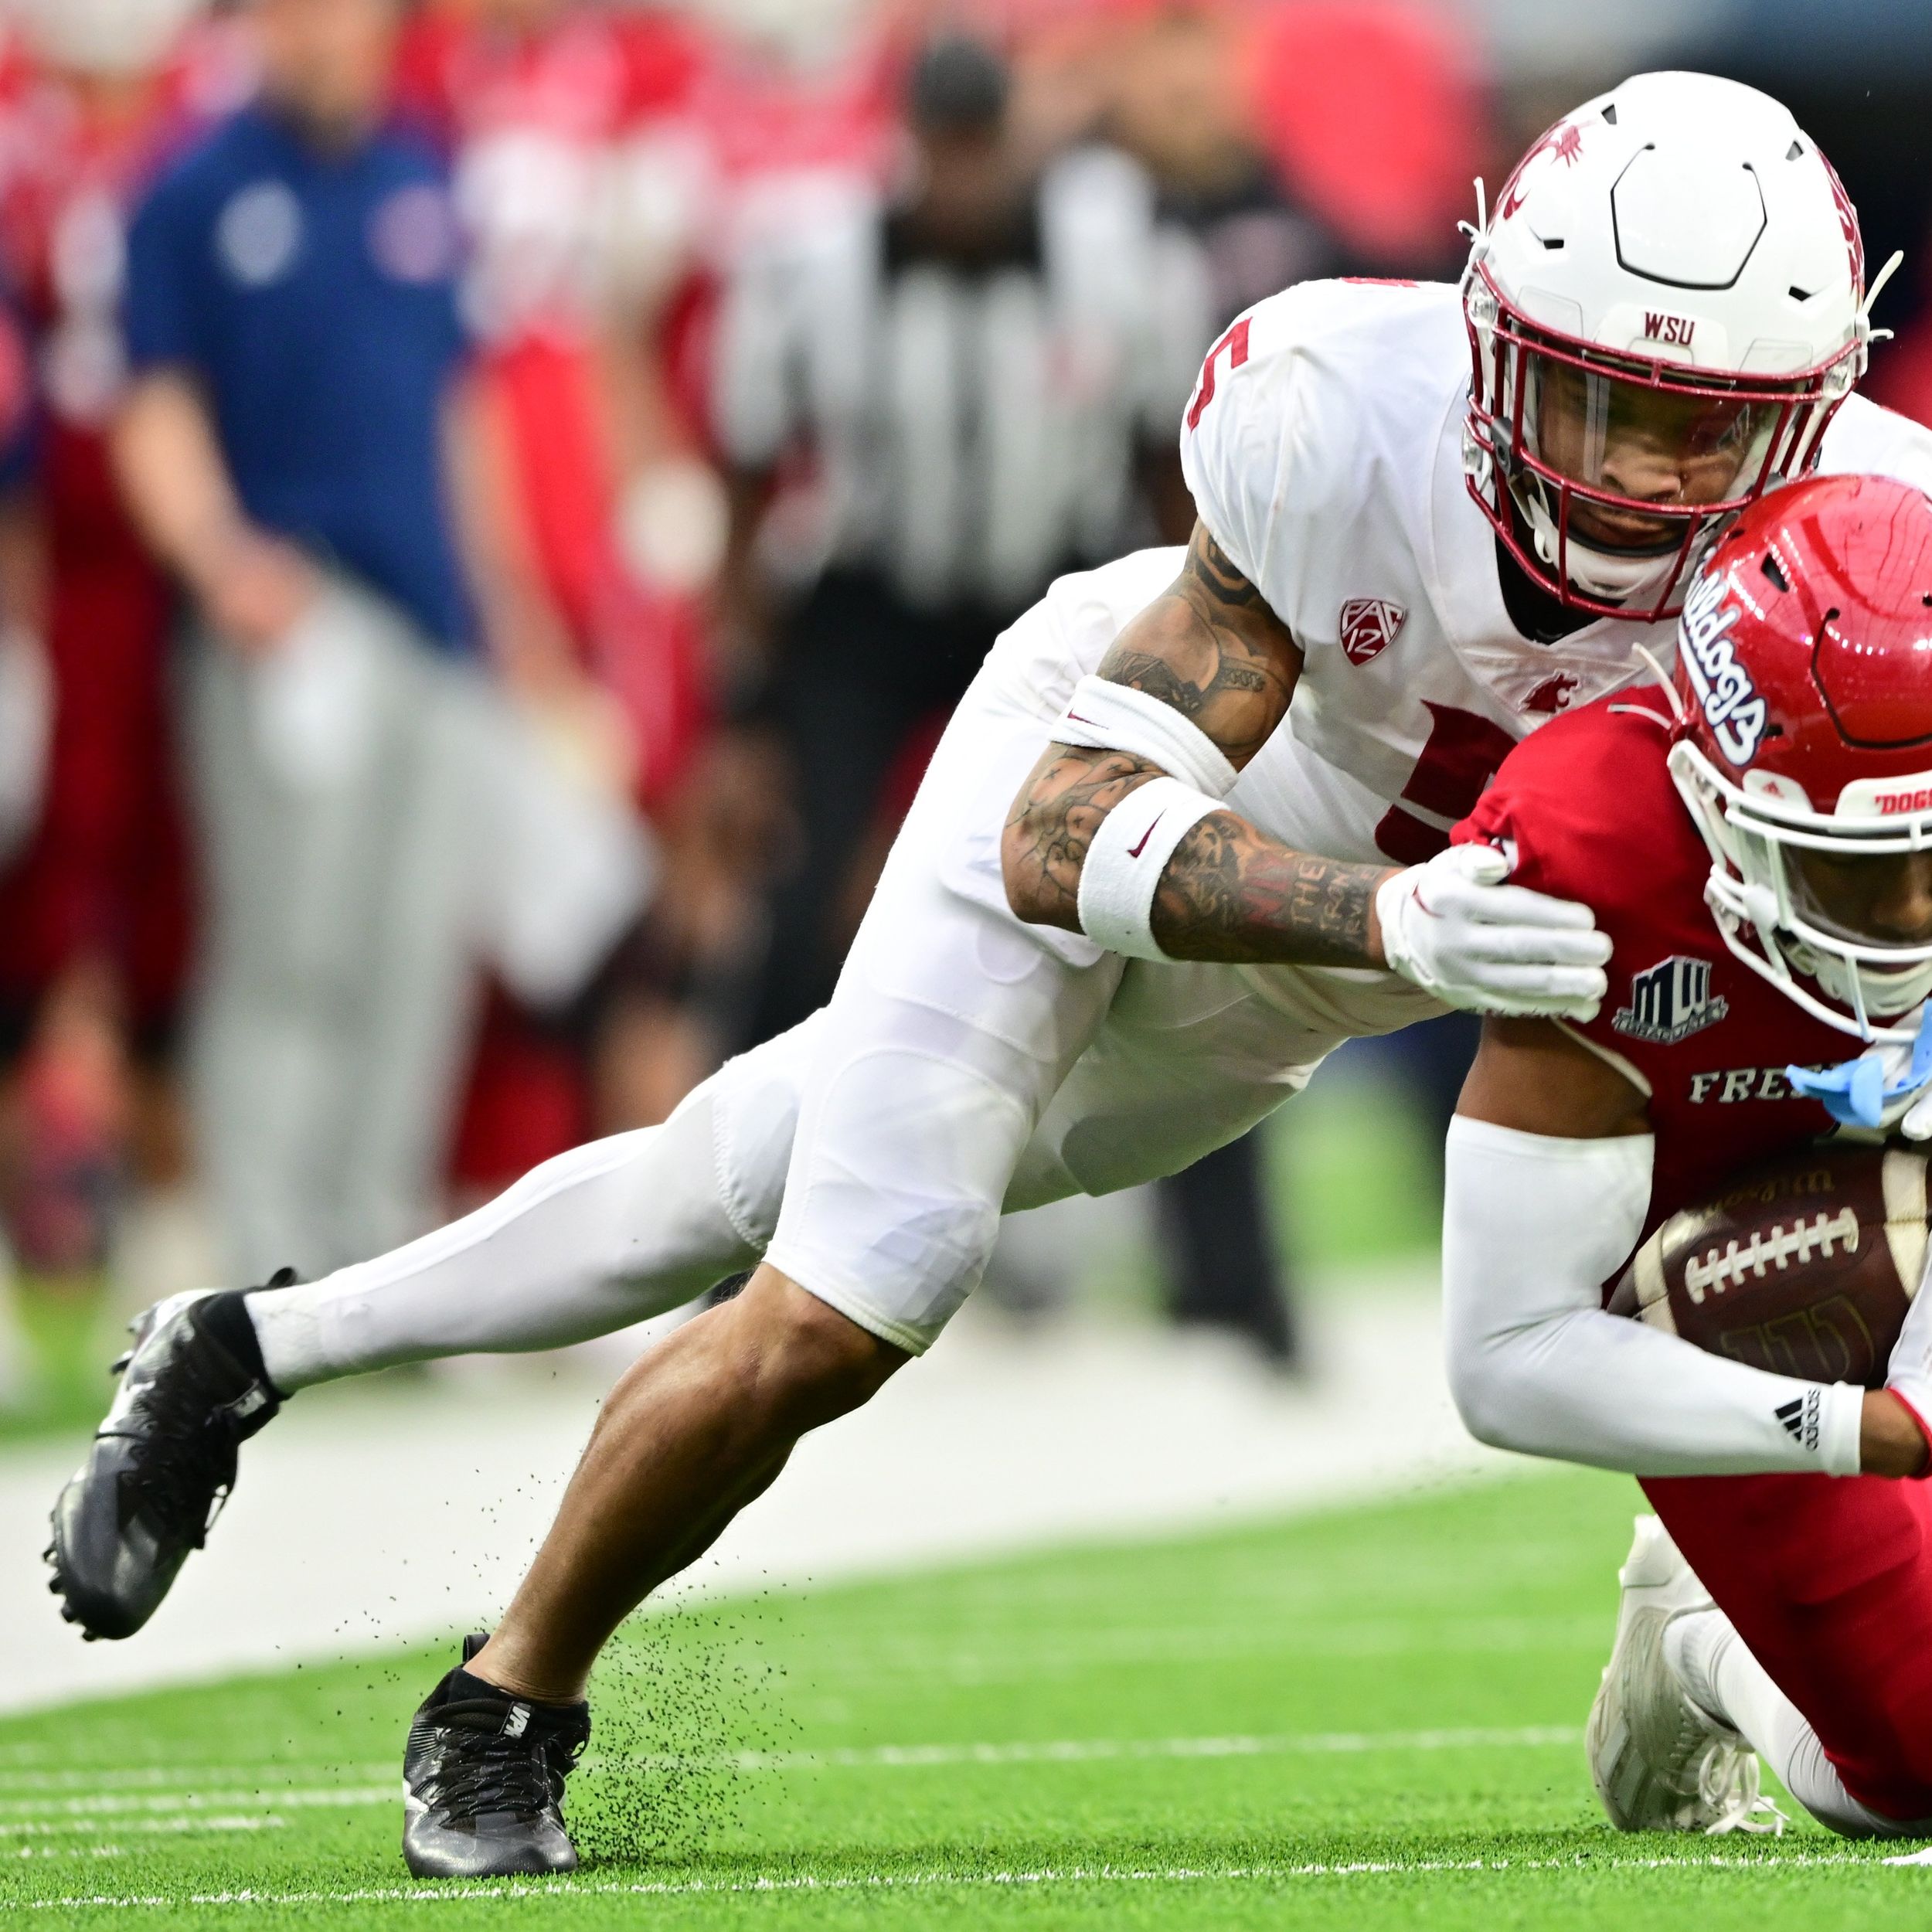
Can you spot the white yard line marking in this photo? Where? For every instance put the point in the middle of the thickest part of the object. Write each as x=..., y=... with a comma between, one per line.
x=67, y=1852
x=894, y=1757
x=121, y=1804
x=1101, y=1750
x=49, y=1827
x=509, y=1890
x=266, y=1776
x=1029, y=1656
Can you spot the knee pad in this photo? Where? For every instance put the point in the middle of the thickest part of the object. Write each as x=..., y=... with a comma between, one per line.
x=753, y=1103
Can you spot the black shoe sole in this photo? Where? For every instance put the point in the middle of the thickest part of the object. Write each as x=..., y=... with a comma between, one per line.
x=531, y=1867
x=106, y=1621
x=61, y=1587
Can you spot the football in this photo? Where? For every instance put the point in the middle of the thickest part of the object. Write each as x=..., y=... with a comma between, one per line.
x=1804, y=1265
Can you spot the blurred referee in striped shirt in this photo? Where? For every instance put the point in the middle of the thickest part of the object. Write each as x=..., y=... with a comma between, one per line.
x=934, y=402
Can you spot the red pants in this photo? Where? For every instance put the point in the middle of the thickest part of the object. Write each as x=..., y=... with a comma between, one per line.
x=106, y=873
x=1828, y=1580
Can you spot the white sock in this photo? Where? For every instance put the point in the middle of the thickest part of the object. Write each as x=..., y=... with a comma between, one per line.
x=1709, y=1659
x=601, y=1237
x=1691, y=1647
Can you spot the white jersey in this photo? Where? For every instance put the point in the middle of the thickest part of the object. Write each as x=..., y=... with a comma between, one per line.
x=1323, y=447
x=968, y=1061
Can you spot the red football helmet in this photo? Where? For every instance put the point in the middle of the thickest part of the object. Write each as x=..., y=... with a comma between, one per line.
x=1804, y=744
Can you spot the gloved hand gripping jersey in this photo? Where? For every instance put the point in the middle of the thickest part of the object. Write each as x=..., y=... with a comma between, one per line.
x=1453, y=927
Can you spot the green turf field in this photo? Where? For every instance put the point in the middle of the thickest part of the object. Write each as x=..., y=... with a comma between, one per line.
x=1371, y=1718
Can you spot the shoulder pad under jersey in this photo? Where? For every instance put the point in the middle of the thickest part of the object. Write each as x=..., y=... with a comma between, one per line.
x=1298, y=402
x=1865, y=436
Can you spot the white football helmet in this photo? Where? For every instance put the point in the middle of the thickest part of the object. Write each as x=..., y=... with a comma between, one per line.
x=1664, y=309
x=104, y=36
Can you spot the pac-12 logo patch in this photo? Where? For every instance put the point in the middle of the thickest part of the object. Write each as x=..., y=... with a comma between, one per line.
x=1369, y=627
x=1670, y=1002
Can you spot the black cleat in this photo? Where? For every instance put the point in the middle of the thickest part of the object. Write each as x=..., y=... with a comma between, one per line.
x=483, y=1781
x=192, y=1390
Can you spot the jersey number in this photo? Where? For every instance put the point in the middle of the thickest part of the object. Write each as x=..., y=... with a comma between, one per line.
x=1235, y=342
x=1460, y=759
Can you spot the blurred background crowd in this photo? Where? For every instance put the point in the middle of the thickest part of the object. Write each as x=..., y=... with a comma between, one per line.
x=498, y=497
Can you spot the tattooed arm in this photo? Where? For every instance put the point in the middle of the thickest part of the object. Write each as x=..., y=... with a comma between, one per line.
x=1210, y=646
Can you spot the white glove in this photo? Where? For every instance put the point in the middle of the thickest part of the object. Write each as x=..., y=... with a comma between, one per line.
x=1916, y=1122
x=1454, y=928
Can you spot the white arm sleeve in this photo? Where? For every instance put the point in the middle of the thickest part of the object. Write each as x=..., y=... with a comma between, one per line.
x=1532, y=1226
x=1106, y=717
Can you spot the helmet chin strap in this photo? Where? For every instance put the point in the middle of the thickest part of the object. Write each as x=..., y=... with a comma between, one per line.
x=1869, y=995
x=1597, y=573
x=1879, y=995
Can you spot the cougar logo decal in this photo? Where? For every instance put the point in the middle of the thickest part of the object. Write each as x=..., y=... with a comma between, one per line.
x=1563, y=142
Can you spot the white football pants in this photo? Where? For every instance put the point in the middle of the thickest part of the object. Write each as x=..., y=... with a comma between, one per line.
x=968, y=1064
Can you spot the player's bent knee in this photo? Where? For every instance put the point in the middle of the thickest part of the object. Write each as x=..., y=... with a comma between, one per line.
x=809, y=1361
x=1484, y=1399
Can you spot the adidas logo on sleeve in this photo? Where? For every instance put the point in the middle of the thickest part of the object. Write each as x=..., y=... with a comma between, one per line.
x=1800, y=1416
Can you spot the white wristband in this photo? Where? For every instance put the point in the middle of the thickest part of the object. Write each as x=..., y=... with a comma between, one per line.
x=1124, y=863
x=1105, y=716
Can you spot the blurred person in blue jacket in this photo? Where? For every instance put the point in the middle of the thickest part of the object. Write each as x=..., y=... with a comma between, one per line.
x=297, y=448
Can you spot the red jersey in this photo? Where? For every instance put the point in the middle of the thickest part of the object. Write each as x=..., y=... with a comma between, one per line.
x=1829, y=1580
x=1588, y=810
x=1826, y=1579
